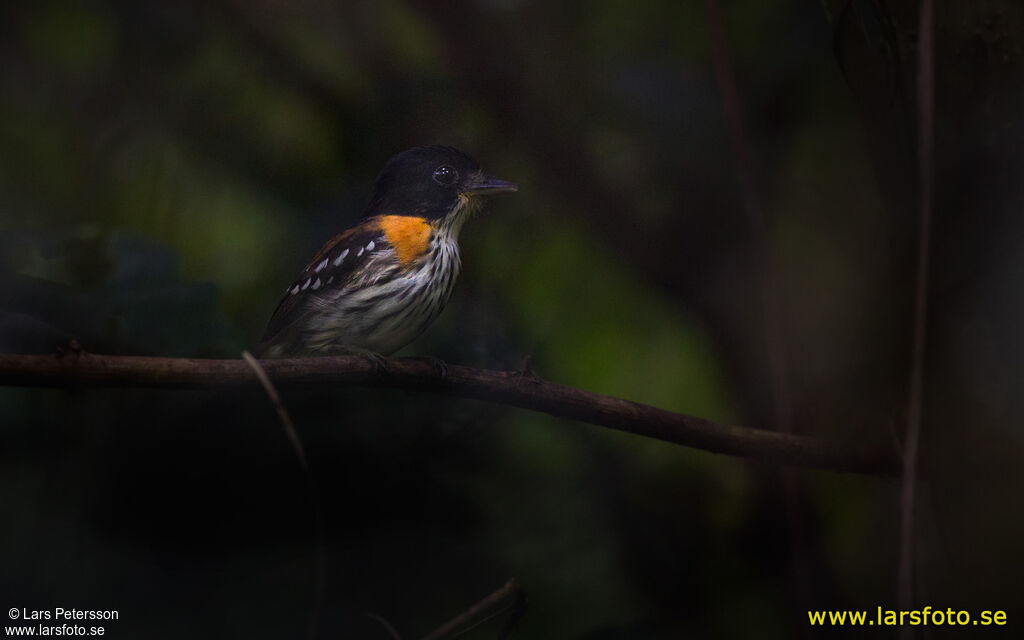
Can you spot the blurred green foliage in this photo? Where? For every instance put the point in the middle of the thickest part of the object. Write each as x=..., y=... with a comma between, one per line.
x=166, y=169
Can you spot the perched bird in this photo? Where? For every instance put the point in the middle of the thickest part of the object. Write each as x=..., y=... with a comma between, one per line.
x=377, y=286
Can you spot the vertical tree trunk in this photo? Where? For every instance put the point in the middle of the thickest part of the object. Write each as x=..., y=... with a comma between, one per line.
x=972, y=438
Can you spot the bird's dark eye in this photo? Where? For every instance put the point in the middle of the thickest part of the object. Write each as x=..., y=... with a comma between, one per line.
x=445, y=175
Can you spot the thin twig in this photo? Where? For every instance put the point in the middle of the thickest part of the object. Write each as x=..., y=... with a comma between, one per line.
x=726, y=80
x=320, y=555
x=926, y=168
x=778, y=366
x=282, y=413
x=518, y=607
x=471, y=613
x=499, y=387
x=387, y=625
x=484, y=620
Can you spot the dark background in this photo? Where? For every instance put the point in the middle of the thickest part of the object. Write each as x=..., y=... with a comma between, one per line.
x=166, y=169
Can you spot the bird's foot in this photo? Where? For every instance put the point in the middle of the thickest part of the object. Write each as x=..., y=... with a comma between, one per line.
x=526, y=370
x=439, y=365
x=73, y=348
x=379, y=363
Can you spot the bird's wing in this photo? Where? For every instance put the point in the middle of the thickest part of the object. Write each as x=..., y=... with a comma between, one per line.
x=339, y=265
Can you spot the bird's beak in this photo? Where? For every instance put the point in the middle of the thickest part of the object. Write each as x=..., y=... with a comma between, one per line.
x=484, y=184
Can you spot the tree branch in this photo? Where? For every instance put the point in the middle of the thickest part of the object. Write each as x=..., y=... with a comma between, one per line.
x=771, y=302
x=499, y=387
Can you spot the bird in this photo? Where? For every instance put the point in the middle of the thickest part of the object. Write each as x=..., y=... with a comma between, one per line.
x=375, y=287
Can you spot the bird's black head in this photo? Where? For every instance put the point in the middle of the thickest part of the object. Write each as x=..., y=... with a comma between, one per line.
x=432, y=182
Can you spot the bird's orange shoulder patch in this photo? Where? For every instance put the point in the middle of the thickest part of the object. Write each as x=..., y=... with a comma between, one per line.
x=408, y=235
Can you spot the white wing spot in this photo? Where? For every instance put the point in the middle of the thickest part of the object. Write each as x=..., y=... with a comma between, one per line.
x=360, y=252
x=329, y=280
x=370, y=246
x=316, y=285
x=320, y=267
x=295, y=289
x=306, y=284
x=341, y=256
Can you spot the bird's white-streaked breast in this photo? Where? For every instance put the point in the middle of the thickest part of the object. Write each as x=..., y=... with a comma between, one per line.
x=389, y=309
